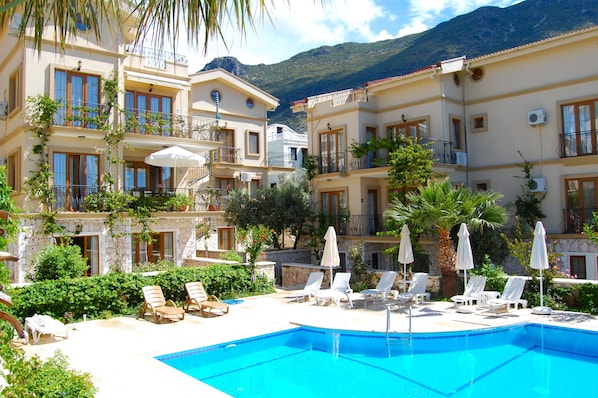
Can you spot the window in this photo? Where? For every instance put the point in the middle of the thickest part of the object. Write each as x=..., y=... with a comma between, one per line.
x=481, y=186
x=479, y=123
x=415, y=129
x=216, y=96
x=160, y=248
x=581, y=203
x=375, y=262
x=148, y=113
x=254, y=185
x=577, y=266
x=13, y=171
x=579, y=128
x=293, y=153
x=334, y=209
x=75, y=176
x=143, y=177
x=253, y=144
x=332, y=151
x=456, y=132
x=79, y=96
x=227, y=151
x=477, y=74
x=14, y=91
x=226, y=238
x=89, y=246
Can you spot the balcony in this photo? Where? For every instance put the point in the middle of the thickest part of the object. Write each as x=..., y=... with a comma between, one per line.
x=357, y=225
x=579, y=143
x=227, y=154
x=155, y=58
x=72, y=197
x=331, y=163
x=575, y=218
x=281, y=159
x=81, y=114
x=169, y=125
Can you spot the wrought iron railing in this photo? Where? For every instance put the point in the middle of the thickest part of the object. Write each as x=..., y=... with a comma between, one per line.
x=576, y=218
x=155, y=57
x=72, y=197
x=81, y=114
x=227, y=154
x=366, y=225
x=331, y=163
x=138, y=121
x=281, y=159
x=579, y=143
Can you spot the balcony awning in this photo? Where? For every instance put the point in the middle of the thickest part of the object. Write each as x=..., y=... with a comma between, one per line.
x=159, y=80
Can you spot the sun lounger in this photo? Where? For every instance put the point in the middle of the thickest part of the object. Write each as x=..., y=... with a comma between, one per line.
x=475, y=286
x=511, y=296
x=382, y=289
x=157, y=305
x=417, y=289
x=312, y=286
x=339, y=291
x=38, y=325
x=197, y=296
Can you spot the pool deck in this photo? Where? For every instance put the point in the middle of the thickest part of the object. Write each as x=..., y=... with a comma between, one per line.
x=119, y=352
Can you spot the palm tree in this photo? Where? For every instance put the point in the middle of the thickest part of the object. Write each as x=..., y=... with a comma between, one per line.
x=438, y=207
x=161, y=19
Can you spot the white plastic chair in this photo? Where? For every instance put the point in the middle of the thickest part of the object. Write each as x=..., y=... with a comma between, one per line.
x=475, y=286
x=511, y=295
x=383, y=287
x=417, y=289
x=312, y=286
x=340, y=290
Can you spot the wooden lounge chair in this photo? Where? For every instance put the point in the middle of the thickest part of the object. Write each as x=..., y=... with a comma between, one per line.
x=197, y=296
x=156, y=304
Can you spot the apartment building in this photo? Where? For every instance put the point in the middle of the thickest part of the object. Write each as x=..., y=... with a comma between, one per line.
x=157, y=104
x=286, y=150
x=483, y=117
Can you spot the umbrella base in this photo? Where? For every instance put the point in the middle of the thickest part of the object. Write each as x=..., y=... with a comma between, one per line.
x=541, y=310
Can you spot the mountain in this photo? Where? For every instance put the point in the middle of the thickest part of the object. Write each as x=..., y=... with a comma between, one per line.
x=349, y=65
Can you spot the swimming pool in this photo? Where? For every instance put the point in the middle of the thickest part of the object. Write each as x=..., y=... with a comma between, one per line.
x=531, y=360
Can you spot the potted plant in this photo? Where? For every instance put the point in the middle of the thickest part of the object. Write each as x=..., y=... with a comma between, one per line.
x=180, y=202
x=210, y=198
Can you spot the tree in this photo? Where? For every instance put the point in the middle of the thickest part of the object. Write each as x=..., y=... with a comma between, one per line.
x=158, y=19
x=439, y=207
x=58, y=262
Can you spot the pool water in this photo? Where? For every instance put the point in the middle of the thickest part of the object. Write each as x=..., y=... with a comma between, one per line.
x=529, y=360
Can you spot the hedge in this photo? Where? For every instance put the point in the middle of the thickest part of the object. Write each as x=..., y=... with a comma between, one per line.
x=120, y=293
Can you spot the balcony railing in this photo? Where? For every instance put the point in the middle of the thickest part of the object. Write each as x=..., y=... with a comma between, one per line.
x=155, y=58
x=81, y=114
x=580, y=143
x=372, y=160
x=331, y=163
x=366, y=225
x=71, y=197
x=576, y=218
x=281, y=159
x=169, y=125
x=227, y=154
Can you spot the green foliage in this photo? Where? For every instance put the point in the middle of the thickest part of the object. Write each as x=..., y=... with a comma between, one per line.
x=591, y=230
x=161, y=265
x=528, y=204
x=361, y=279
x=253, y=240
x=495, y=276
x=11, y=225
x=489, y=242
x=33, y=377
x=232, y=255
x=57, y=262
x=179, y=202
x=120, y=293
x=587, y=296
x=284, y=207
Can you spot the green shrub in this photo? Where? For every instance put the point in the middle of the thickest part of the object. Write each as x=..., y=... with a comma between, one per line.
x=587, y=297
x=120, y=293
x=33, y=377
x=495, y=276
x=57, y=262
x=231, y=255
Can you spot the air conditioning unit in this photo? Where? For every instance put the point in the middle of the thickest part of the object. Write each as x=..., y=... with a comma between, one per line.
x=538, y=185
x=15, y=25
x=3, y=109
x=461, y=158
x=245, y=177
x=536, y=117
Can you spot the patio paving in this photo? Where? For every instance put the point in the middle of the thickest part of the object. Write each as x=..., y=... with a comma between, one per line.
x=119, y=352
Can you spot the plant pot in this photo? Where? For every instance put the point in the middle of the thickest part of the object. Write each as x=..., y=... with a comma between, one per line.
x=212, y=207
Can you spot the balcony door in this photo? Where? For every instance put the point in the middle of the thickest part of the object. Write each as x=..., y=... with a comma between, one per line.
x=372, y=211
x=332, y=151
x=79, y=97
x=226, y=152
x=334, y=210
x=581, y=203
x=148, y=113
x=579, y=128
x=75, y=176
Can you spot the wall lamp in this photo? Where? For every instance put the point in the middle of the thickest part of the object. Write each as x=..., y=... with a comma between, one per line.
x=151, y=88
x=79, y=63
x=328, y=125
x=78, y=229
x=403, y=118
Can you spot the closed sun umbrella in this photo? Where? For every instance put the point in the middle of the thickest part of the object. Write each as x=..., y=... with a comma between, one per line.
x=330, y=257
x=175, y=156
x=405, y=252
x=464, y=255
x=539, y=261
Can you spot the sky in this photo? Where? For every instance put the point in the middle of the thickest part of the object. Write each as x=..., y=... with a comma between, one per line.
x=302, y=25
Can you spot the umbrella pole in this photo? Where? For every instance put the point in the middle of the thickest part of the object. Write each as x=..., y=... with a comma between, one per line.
x=405, y=278
x=465, y=276
x=331, y=276
x=541, y=289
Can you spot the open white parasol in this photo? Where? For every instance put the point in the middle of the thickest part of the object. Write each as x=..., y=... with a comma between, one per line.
x=175, y=156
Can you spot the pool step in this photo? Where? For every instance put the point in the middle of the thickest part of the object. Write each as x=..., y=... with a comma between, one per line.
x=399, y=341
